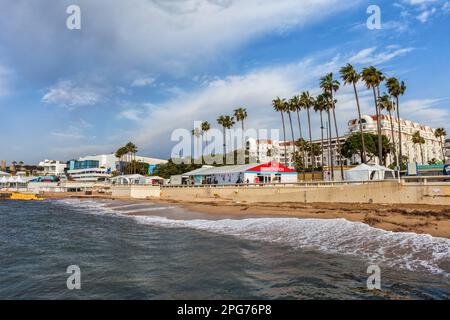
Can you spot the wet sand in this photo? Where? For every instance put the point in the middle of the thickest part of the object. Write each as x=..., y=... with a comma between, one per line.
x=423, y=219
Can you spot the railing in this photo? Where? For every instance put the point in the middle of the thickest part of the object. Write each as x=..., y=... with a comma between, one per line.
x=276, y=185
x=424, y=180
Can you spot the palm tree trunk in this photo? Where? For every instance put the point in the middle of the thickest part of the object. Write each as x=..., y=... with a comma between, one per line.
x=392, y=136
x=421, y=153
x=292, y=131
x=363, y=142
x=443, y=150
x=284, y=136
x=313, y=158
x=400, y=153
x=299, y=124
x=330, y=149
x=380, y=142
x=338, y=140
x=243, y=142
x=224, y=145
x=321, y=140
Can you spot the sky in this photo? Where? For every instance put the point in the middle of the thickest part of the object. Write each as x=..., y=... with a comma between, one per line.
x=139, y=69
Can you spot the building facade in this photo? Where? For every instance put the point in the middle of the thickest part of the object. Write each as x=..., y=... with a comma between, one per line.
x=101, y=167
x=53, y=167
x=431, y=149
x=261, y=151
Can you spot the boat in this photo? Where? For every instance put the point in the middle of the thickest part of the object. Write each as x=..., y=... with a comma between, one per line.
x=20, y=196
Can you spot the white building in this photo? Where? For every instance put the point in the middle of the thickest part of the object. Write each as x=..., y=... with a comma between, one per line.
x=262, y=151
x=53, y=167
x=100, y=167
x=431, y=148
x=447, y=152
x=271, y=150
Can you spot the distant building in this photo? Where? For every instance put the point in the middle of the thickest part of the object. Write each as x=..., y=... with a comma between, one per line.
x=3, y=165
x=53, y=167
x=447, y=151
x=431, y=148
x=101, y=167
x=271, y=150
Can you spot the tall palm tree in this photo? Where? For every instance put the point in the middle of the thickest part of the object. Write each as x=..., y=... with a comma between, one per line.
x=227, y=122
x=295, y=102
x=307, y=102
x=205, y=126
x=418, y=139
x=385, y=103
x=278, y=105
x=397, y=89
x=350, y=76
x=330, y=86
x=327, y=98
x=132, y=150
x=241, y=114
x=288, y=108
x=320, y=106
x=120, y=153
x=197, y=133
x=440, y=134
x=373, y=79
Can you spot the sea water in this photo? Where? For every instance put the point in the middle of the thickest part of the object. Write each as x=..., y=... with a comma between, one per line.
x=171, y=253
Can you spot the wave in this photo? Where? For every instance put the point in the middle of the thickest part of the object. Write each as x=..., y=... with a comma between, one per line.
x=411, y=251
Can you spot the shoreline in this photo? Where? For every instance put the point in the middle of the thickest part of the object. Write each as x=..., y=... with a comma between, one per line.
x=421, y=219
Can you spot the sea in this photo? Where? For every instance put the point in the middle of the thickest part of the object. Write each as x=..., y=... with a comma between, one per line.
x=145, y=250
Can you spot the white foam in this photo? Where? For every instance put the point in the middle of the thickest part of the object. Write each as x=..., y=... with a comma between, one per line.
x=338, y=236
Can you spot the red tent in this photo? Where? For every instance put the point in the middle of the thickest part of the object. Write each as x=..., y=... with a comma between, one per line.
x=270, y=167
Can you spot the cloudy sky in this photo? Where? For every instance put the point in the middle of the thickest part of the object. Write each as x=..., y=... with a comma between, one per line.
x=139, y=69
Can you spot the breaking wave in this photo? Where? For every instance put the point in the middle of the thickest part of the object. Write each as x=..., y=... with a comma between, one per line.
x=411, y=251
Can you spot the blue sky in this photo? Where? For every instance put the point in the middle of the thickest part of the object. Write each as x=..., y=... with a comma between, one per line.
x=139, y=69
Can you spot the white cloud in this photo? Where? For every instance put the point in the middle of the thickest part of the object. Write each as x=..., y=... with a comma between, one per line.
x=154, y=35
x=254, y=90
x=143, y=81
x=371, y=56
x=69, y=94
x=426, y=111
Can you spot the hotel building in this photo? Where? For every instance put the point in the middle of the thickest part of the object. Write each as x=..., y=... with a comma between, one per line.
x=262, y=151
x=100, y=167
x=431, y=148
x=53, y=167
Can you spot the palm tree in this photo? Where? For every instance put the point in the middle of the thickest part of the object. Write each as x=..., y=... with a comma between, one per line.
x=288, y=108
x=131, y=149
x=196, y=133
x=278, y=105
x=440, y=134
x=330, y=86
x=226, y=122
x=205, y=127
x=327, y=98
x=397, y=89
x=241, y=114
x=320, y=106
x=295, y=102
x=418, y=139
x=350, y=76
x=119, y=154
x=373, y=79
x=307, y=102
x=385, y=103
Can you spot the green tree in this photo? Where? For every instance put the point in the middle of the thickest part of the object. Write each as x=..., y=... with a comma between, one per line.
x=278, y=106
x=373, y=78
x=418, y=139
x=385, y=103
x=307, y=103
x=227, y=122
x=440, y=134
x=320, y=106
x=240, y=114
x=397, y=89
x=330, y=86
x=350, y=76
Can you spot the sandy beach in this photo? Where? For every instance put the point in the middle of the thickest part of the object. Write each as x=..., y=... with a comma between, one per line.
x=422, y=219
